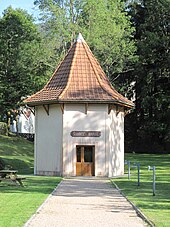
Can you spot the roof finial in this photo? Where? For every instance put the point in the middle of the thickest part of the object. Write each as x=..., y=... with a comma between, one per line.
x=80, y=38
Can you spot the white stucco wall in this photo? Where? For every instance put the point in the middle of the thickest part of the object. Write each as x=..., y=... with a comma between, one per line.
x=109, y=147
x=55, y=148
x=48, y=141
x=115, y=132
x=75, y=119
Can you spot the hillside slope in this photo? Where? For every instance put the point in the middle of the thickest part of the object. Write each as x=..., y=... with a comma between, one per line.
x=18, y=153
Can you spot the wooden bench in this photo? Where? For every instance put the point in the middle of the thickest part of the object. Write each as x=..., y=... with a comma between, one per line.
x=19, y=180
x=11, y=176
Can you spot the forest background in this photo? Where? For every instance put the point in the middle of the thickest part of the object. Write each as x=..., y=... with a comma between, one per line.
x=130, y=39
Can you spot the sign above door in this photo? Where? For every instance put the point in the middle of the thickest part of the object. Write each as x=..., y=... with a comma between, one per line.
x=85, y=133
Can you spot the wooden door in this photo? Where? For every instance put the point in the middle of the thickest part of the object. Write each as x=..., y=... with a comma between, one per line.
x=85, y=160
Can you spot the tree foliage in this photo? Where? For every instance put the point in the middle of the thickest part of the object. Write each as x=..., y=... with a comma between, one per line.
x=104, y=24
x=150, y=118
x=129, y=38
x=20, y=66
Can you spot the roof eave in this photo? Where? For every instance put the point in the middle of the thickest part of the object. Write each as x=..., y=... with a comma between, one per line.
x=48, y=102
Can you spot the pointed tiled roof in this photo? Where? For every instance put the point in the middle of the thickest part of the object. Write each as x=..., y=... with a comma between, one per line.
x=78, y=78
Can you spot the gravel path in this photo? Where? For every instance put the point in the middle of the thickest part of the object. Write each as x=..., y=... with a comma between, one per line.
x=84, y=202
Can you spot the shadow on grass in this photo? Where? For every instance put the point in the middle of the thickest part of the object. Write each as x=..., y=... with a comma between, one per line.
x=142, y=195
x=160, y=160
x=23, y=167
x=32, y=184
x=15, y=146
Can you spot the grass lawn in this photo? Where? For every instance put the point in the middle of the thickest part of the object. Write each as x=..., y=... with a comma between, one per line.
x=17, y=204
x=156, y=208
x=18, y=153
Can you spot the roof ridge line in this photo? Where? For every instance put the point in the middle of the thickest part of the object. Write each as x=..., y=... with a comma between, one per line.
x=38, y=92
x=53, y=74
x=57, y=67
x=69, y=77
x=33, y=95
x=98, y=78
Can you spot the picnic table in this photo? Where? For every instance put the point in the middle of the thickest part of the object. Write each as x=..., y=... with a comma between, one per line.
x=7, y=175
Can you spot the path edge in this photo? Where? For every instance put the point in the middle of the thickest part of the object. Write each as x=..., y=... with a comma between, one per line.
x=41, y=206
x=138, y=211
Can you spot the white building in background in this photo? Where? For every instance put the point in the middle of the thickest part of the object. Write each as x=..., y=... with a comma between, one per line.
x=26, y=122
x=79, y=119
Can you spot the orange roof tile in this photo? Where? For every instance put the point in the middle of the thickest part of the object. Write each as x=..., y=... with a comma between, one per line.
x=78, y=78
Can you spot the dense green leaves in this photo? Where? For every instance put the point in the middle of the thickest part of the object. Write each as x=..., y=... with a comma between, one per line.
x=104, y=24
x=20, y=67
x=129, y=38
x=151, y=74
x=109, y=33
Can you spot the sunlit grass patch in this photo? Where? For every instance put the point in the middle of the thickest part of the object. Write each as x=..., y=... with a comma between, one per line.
x=17, y=204
x=18, y=153
x=157, y=207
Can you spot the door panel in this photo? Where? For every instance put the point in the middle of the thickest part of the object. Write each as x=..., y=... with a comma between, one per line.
x=85, y=160
x=79, y=161
x=78, y=169
x=88, y=154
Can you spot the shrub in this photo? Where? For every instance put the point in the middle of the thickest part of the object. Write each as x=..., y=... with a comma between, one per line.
x=3, y=128
x=2, y=164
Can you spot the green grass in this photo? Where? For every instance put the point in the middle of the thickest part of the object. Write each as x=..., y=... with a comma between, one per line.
x=156, y=208
x=17, y=204
x=17, y=153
